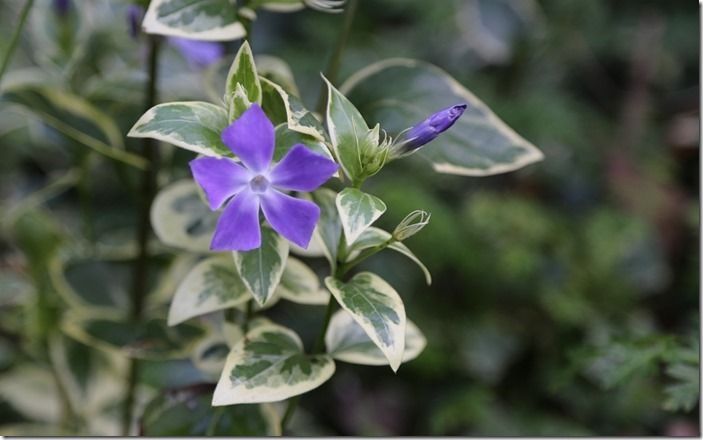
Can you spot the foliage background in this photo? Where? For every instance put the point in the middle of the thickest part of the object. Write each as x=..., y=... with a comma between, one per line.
x=565, y=299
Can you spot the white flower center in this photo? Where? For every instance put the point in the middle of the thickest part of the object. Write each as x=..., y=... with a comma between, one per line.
x=259, y=184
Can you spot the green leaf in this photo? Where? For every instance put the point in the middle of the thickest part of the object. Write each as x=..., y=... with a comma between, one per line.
x=301, y=285
x=373, y=237
x=357, y=211
x=377, y=308
x=181, y=218
x=269, y=365
x=329, y=226
x=148, y=339
x=187, y=412
x=32, y=391
x=75, y=118
x=348, y=131
x=192, y=125
x=243, y=72
x=197, y=19
x=213, y=284
x=283, y=107
x=278, y=71
x=347, y=341
x=278, y=5
x=209, y=354
x=287, y=138
x=261, y=269
x=479, y=144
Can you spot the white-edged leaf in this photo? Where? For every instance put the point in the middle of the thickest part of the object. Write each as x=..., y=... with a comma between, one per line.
x=373, y=237
x=348, y=132
x=357, y=211
x=296, y=115
x=378, y=309
x=347, y=341
x=269, y=365
x=181, y=218
x=329, y=226
x=213, y=284
x=261, y=269
x=243, y=72
x=301, y=285
x=186, y=412
x=287, y=138
x=479, y=143
x=214, y=20
x=209, y=355
x=193, y=125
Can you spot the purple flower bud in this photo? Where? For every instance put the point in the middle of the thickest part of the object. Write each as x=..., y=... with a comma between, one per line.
x=61, y=7
x=134, y=19
x=427, y=130
x=199, y=54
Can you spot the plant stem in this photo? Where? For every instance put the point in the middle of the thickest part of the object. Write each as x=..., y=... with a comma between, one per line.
x=140, y=271
x=332, y=68
x=15, y=37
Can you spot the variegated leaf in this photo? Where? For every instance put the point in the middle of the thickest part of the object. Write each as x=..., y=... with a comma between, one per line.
x=181, y=219
x=213, y=284
x=209, y=355
x=300, y=284
x=347, y=341
x=187, y=412
x=193, y=125
x=269, y=365
x=261, y=269
x=278, y=105
x=214, y=20
x=378, y=309
x=329, y=226
x=243, y=72
x=373, y=237
x=287, y=138
x=357, y=211
x=479, y=144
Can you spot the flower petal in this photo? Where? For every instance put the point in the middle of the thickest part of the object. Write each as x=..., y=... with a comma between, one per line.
x=293, y=218
x=238, y=228
x=302, y=170
x=219, y=178
x=251, y=138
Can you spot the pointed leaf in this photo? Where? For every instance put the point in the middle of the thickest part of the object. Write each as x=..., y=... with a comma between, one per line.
x=214, y=20
x=283, y=107
x=181, y=218
x=192, y=125
x=347, y=341
x=261, y=269
x=348, y=132
x=300, y=284
x=357, y=211
x=377, y=307
x=269, y=365
x=243, y=72
x=479, y=144
x=373, y=237
x=213, y=284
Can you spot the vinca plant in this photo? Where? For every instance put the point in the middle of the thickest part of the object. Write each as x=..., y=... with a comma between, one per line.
x=275, y=185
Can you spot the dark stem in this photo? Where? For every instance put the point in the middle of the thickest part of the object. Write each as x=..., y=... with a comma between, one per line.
x=15, y=37
x=335, y=60
x=140, y=270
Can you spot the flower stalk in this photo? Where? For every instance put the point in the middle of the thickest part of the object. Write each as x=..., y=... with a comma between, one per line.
x=15, y=37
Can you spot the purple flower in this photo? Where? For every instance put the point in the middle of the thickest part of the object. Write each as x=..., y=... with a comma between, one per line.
x=427, y=130
x=134, y=18
x=199, y=54
x=257, y=183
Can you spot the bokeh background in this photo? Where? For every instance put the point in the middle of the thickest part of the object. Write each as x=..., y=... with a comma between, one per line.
x=566, y=295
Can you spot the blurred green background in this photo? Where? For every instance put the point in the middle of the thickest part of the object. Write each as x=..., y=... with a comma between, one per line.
x=566, y=295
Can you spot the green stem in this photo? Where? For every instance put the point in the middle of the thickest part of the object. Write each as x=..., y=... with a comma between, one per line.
x=335, y=60
x=346, y=267
x=139, y=284
x=15, y=37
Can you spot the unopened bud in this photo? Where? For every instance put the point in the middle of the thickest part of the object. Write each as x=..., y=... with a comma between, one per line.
x=411, y=224
x=426, y=131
